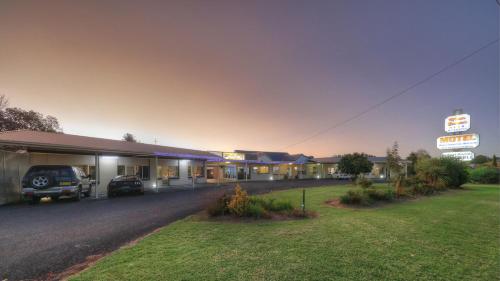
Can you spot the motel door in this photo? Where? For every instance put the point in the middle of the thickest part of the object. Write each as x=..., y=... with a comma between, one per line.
x=230, y=172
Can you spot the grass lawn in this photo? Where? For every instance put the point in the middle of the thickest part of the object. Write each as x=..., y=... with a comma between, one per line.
x=455, y=236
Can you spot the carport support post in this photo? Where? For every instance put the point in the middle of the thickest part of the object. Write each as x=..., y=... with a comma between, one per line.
x=97, y=176
x=246, y=171
x=156, y=173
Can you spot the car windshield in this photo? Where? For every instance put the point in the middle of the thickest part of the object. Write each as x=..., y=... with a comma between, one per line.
x=57, y=171
x=126, y=178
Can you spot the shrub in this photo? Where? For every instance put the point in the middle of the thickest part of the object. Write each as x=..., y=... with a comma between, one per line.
x=485, y=175
x=272, y=205
x=242, y=205
x=421, y=189
x=442, y=173
x=239, y=202
x=364, y=182
x=380, y=195
x=355, y=197
x=220, y=206
x=256, y=211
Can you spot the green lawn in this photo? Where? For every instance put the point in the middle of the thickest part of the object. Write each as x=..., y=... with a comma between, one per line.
x=455, y=236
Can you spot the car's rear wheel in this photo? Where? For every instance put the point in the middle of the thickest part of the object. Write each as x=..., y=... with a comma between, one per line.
x=88, y=192
x=78, y=195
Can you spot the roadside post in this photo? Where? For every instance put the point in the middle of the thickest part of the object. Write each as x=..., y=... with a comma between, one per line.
x=303, y=201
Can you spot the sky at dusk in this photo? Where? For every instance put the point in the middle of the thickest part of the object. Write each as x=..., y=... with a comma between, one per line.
x=256, y=75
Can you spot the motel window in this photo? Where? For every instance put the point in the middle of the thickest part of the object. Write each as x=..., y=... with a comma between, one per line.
x=168, y=172
x=331, y=170
x=120, y=170
x=142, y=172
x=130, y=171
x=276, y=170
x=199, y=171
x=262, y=170
x=92, y=172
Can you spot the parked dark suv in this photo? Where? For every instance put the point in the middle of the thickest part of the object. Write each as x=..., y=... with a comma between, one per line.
x=125, y=184
x=55, y=181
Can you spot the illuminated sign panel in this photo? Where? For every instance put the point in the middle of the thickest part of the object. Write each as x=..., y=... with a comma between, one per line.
x=458, y=141
x=233, y=156
x=462, y=155
x=457, y=123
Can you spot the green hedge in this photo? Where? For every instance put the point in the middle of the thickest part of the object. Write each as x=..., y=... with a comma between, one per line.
x=485, y=175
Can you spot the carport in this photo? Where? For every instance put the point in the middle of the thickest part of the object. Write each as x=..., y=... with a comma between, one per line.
x=103, y=159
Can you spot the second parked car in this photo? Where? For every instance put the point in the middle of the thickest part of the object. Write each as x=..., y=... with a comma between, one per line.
x=125, y=184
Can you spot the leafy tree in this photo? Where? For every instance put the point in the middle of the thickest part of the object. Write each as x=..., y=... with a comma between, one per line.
x=480, y=159
x=129, y=137
x=494, y=161
x=4, y=102
x=394, y=161
x=14, y=118
x=355, y=164
x=413, y=158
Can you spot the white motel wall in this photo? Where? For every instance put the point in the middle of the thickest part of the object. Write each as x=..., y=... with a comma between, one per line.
x=15, y=165
x=160, y=167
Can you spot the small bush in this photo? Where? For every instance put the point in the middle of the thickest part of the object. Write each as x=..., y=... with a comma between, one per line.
x=485, y=175
x=355, y=197
x=364, y=182
x=380, y=195
x=272, y=205
x=422, y=189
x=220, y=206
x=256, y=211
x=239, y=202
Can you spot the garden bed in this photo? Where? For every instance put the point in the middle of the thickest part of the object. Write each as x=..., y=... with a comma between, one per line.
x=241, y=207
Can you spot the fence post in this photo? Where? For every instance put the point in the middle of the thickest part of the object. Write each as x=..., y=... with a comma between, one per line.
x=304, y=201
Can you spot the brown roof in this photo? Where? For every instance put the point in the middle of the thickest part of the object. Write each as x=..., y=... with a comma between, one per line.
x=42, y=141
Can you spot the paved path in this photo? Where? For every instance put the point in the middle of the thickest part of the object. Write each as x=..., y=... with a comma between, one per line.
x=37, y=241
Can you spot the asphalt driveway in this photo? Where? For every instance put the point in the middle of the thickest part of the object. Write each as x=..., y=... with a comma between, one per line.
x=37, y=242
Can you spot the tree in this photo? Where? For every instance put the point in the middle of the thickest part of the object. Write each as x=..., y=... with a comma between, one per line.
x=4, y=102
x=494, y=161
x=129, y=137
x=413, y=158
x=355, y=164
x=13, y=118
x=394, y=161
x=480, y=159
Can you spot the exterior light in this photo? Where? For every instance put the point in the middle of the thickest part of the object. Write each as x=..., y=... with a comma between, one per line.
x=110, y=157
x=271, y=178
x=227, y=162
x=154, y=185
x=317, y=176
x=290, y=163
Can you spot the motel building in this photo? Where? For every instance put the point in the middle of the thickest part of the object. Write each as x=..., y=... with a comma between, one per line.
x=159, y=167
x=243, y=165
x=103, y=159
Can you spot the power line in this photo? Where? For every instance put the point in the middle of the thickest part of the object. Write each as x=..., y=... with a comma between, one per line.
x=398, y=94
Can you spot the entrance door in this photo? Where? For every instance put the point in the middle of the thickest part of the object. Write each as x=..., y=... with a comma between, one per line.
x=230, y=173
x=210, y=173
x=241, y=173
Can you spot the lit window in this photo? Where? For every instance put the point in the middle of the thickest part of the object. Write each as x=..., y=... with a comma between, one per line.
x=263, y=170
